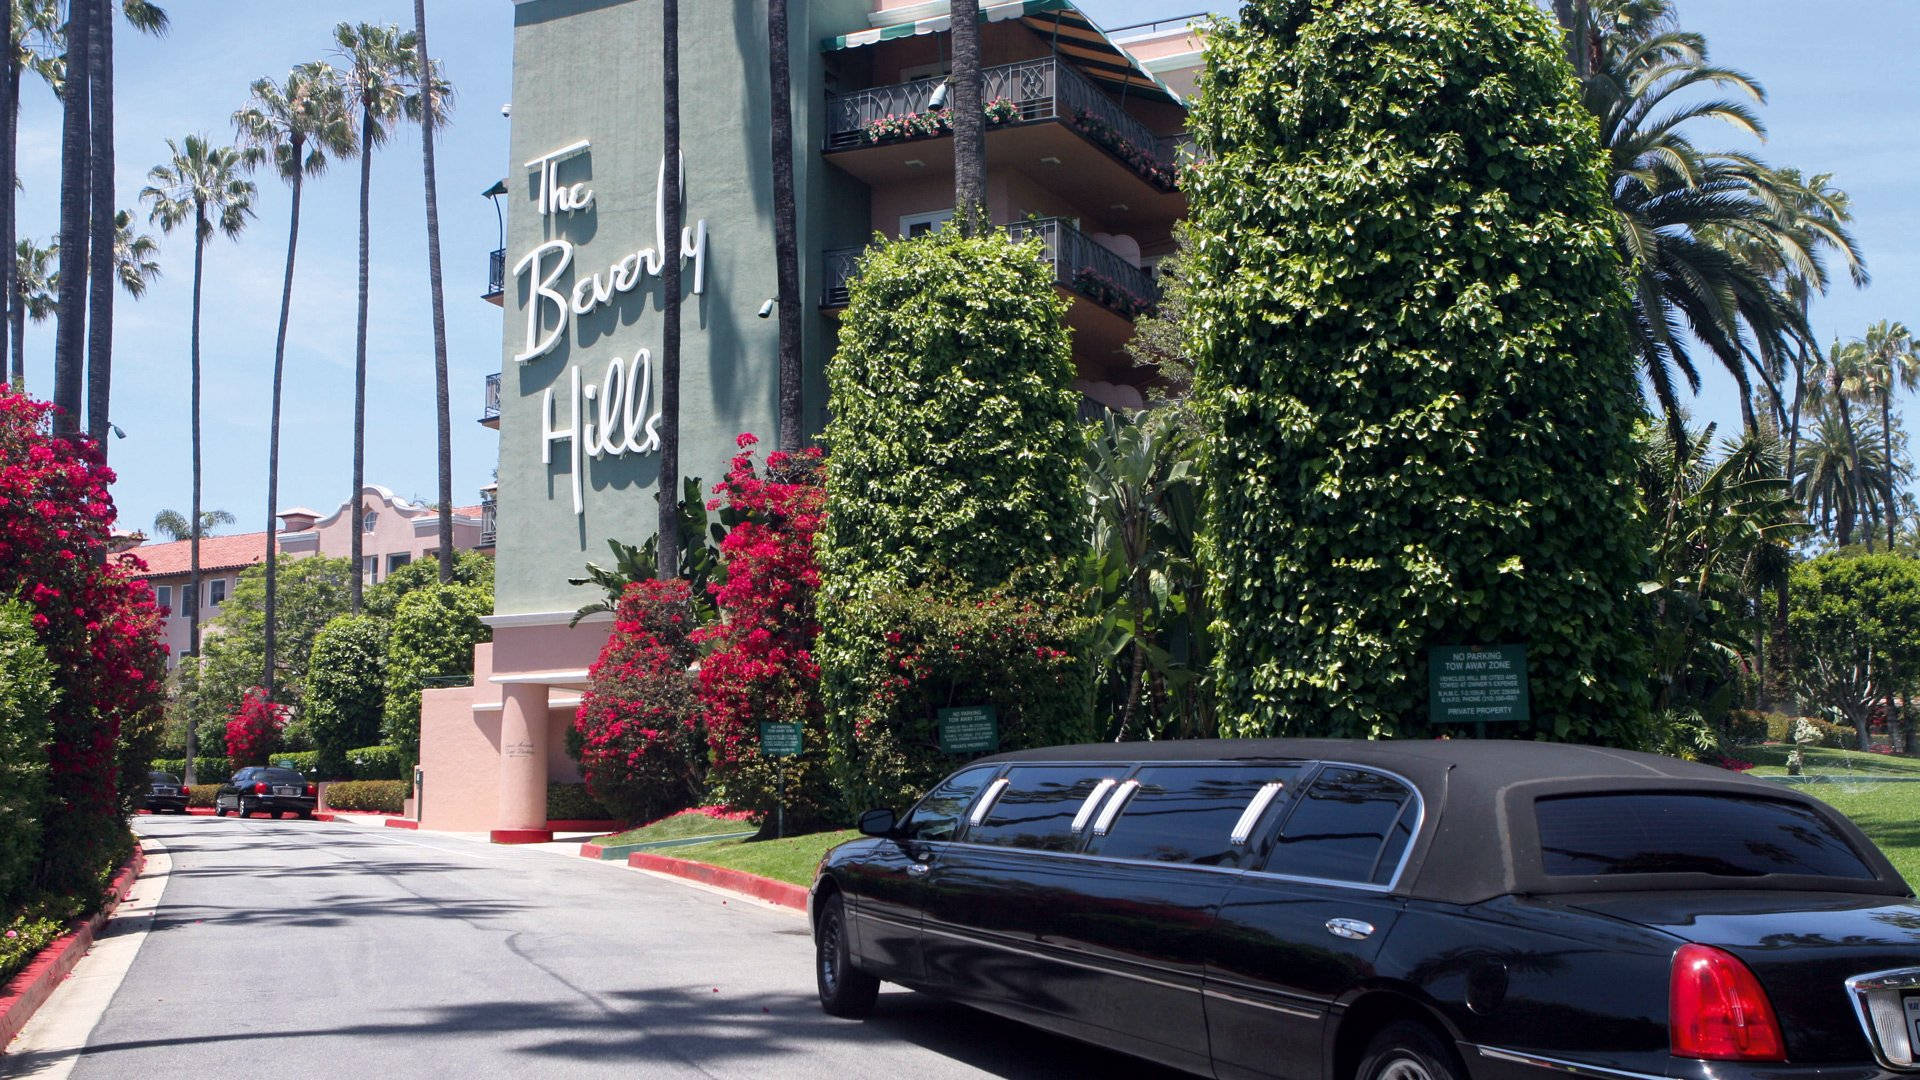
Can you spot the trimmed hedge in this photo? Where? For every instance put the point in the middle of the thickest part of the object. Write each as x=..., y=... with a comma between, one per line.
x=572, y=802
x=380, y=763
x=384, y=796
x=305, y=762
x=208, y=767
x=201, y=795
x=1832, y=736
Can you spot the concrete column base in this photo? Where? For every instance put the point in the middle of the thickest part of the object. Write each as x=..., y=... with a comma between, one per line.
x=520, y=836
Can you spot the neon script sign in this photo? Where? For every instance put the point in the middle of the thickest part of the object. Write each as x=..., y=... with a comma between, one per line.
x=618, y=415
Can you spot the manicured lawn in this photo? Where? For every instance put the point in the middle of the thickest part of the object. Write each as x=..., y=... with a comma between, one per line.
x=792, y=859
x=684, y=824
x=1772, y=761
x=1887, y=813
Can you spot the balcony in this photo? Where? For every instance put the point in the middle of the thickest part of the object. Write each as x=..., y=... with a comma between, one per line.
x=496, y=278
x=1044, y=119
x=488, y=504
x=1079, y=265
x=490, y=407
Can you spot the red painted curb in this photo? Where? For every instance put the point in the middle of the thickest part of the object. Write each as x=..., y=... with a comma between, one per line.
x=402, y=823
x=783, y=893
x=32, y=985
x=590, y=851
x=520, y=836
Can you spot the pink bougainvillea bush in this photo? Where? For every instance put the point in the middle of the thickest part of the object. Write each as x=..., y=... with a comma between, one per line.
x=642, y=750
x=254, y=729
x=100, y=629
x=761, y=668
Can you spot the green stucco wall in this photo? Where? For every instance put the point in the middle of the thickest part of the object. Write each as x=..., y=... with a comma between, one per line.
x=590, y=69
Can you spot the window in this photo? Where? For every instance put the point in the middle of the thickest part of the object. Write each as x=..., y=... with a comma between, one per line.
x=370, y=568
x=395, y=562
x=913, y=225
x=1723, y=835
x=367, y=519
x=163, y=595
x=1038, y=808
x=937, y=816
x=1187, y=813
x=1351, y=825
x=216, y=592
x=189, y=600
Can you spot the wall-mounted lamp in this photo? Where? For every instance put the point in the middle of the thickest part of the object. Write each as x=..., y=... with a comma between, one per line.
x=766, y=309
x=117, y=433
x=939, y=98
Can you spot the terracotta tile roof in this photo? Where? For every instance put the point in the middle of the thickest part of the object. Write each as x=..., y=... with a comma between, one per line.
x=467, y=511
x=216, y=553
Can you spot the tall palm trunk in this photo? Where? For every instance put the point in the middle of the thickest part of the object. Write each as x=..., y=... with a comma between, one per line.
x=360, y=361
x=443, y=409
x=1886, y=433
x=100, y=255
x=786, y=240
x=273, y=430
x=75, y=147
x=969, y=121
x=193, y=419
x=1849, y=507
x=11, y=362
x=670, y=283
x=16, y=304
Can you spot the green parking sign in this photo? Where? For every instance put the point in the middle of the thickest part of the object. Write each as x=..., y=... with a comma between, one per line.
x=969, y=729
x=780, y=740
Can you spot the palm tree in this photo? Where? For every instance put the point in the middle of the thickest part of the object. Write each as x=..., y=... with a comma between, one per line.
x=172, y=524
x=1835, y=381
x=133, y=256
x=786, y=242
x=34, y=277
x=1842, y=472
x=375, y=67
x=205, y=186
x=1891, y=361
x=298, y=123
x=34, y=30
x=969, y=121
x=69, y=336
x=669, y=522
x=432, y=101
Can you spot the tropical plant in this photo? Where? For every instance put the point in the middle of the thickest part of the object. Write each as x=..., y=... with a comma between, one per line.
x=376, y=62
x=969, y=121
x=1709, y=238
x=134, y=265
x=701, y=533
x=1414, y=370
x=1842, y=472
x=204, y=186
x=1723, y=533
x=34, y=275
x=1891, y=361
x=298, y=125
x=173, y=525
x=435, y=98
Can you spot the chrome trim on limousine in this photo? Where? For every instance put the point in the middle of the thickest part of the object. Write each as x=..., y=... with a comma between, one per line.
x=1243, y=829
x=987, y=800
x=1058, y=958
x=1598, y=1072
x=1120, y=796
x=1876, y=1000
x=1209, y=990
x=1093, y=799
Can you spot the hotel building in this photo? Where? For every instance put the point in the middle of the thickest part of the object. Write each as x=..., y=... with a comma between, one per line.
x=1083, y=143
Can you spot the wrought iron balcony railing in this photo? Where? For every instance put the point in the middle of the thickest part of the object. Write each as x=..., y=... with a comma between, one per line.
x=488, y=505
x=1078, y=263
x=1042, y=89
x=496, y=274
x=490, y=410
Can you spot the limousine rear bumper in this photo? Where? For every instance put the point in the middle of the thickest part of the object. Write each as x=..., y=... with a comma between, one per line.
x=1500, y=1063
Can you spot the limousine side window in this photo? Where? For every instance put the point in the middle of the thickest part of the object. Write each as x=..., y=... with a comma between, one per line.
x=1350, y=825
x=937, y=816
x=1039, y=805
x=1187, y=813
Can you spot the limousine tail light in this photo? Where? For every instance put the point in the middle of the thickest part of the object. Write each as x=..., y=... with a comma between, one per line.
x=313, y=790
x=1717, y=1010
x=259, y=789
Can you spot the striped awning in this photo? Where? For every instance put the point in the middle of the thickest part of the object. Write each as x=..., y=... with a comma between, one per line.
x=1070, y=32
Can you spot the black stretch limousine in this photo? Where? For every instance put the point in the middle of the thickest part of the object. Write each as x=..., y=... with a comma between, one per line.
x=1389, y=911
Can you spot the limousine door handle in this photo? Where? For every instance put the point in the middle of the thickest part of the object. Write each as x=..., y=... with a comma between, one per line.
x=1354, y=929
x=916, y=869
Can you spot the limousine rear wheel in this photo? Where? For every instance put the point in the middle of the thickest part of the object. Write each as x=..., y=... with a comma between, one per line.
x=1405, y=1050
x=844, y=990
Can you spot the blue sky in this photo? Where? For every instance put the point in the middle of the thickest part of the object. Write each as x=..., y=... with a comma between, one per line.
x=1841, y=101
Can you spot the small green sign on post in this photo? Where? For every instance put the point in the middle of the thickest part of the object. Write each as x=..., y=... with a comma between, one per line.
x=969, y=729
x=1478, y=685
x=780, y=740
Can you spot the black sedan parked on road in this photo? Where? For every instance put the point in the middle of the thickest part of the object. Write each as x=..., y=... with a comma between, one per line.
x=1389, y=911
x=259, y=789
x=164, y=792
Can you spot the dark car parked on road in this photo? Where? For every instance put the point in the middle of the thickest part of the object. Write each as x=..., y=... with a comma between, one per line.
x=1389, y=911
x=260, y=789
x=164, y=792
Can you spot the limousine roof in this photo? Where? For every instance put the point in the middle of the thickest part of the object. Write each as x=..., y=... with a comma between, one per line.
x=1477, y=797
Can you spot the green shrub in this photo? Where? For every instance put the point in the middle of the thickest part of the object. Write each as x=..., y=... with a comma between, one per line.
x=470, y=568
x=303, y=762
x=346, y=687
x=380, y=763
x=1832, y=736
x=914, y=651
x=201, y=795
x=27, y=694
x=1408, y=324
x=208, y=769
x=1744, y=727
x=28, y=933
x=384, y=796
x=571, y=802
x=434, y=632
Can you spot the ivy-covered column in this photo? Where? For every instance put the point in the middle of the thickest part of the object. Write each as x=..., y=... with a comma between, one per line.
x=523, y=765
